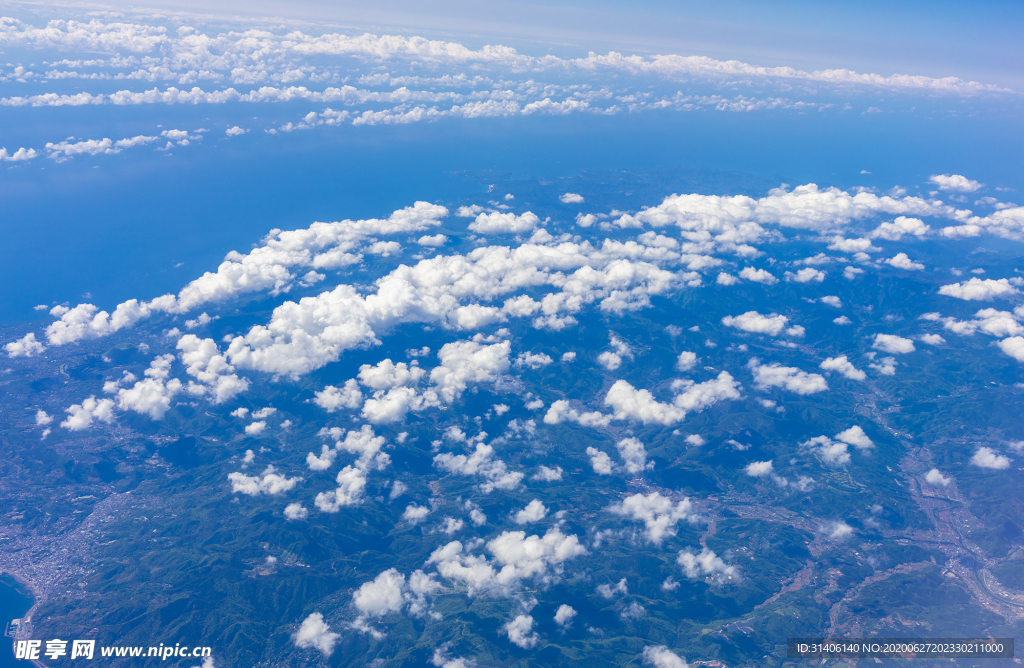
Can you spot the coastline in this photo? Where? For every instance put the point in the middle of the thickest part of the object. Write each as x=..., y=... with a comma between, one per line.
x=25, y=630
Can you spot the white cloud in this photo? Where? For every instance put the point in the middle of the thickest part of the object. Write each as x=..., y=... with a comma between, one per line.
x=686, y=361
x=351, y=484
x=81, y=416
x=609, y=592
x=901, y=261
x=977, y=289
x=204, y=362
x=26, y=346
x=600, y=461
x=520, y=632
x=832, y=300
x=295, y=511
x=533, y=361
x=790, y=378
x=151, y=396
x=987, y=458
x=42, y=418
x=831, y=452
x=534, y=511
x=759, y=469
x=932, y=339
x=629, y=403
x=806, y=275
x=386, y=374
x=660, y=656
x=560, y=411
x=414, y=513
x=564, y=615
x=707, y=563
x=852, y=245
x=570, y=198
x=504, y=223
x=856, y=437
x=483, y=463
x=895, y=230
x=314, y=633
x=1013, y=346
x=954, y=183
x=256, y=428
x=844, y=367
x=935, y=477
x=269, y=482
x=633, y=455
x=546, y=474
x=517, y=555
x=885, y=366
x=752, y=321
x=726, y=279
x=839, y=530
x=333, y=398
x=609, y=360
x=432, y=241
x=758, y=276
x=893, y=344
x=569, y=357
x=234, y=131
x=659, y=515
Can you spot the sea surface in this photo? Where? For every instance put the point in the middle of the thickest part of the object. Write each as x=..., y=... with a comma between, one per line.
x=14, y=602
x=141, y=223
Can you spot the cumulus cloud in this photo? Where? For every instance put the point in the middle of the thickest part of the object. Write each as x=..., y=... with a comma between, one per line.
x=659, y=515
x=504, y=223
x=660, y=656
x=833, y=453
x=806, y=275
x=314, y=633
x=686, y=361
x=790, y=378
x=533, y=361
x=520, y=632
x=977, y=289
x=269, y=482
x=629, y=403
x=561, y=411
x=333, y=398
x=839, y=530
x=705, y=564
x=600, y=461
x=752, y=321
x=759, y=469
x=534, y=511
x=295, y=511
x=901, y=261
x=633, y=455
x=26, y=346
x=987, y=458
x=842, y=365
x=856, y=437
x=571, y=198
x=758, y=276
x=954, y=183
x=516, y=555
x=895, y=230
x=548, y=474
x=1013, y=346
x=935, y=477
x=481, y=462
x=611, y=591
x=81, y=416
x=564, y=615
x=890, y=343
